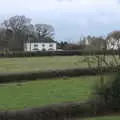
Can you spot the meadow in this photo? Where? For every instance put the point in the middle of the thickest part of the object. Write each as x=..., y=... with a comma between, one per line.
x=40, y=63
x=40, y=93
x=44, y=63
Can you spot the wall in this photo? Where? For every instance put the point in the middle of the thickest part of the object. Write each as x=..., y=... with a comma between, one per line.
x=40, y=46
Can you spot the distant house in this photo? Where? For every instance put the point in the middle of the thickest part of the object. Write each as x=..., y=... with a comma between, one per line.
x=46, y=44
x=113, y=44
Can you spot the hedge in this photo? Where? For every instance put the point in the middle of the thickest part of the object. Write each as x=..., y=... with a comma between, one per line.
x=58, y=53
x=61, y=111
x=27, y=76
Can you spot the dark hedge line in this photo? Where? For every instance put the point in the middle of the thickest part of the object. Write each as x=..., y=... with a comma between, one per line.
x=58, y=53
x=27, y=76
x=61, y=111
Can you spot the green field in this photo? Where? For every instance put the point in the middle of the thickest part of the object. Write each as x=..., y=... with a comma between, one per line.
x=40, y=93
x=42, y=63
x=37, y=93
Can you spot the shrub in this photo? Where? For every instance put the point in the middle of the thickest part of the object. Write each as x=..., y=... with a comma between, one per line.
x=56, y=53
x=74, y=72
x=110, y=92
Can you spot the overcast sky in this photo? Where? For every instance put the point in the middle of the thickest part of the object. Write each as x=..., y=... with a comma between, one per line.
x=70, y=18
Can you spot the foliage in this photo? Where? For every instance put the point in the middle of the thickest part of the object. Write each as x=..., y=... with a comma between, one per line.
x=110, y=92
x=74, y=72
x=114, y=34
x=93, y=43
x=116, y=117
x=17, y=30
x=44, y=30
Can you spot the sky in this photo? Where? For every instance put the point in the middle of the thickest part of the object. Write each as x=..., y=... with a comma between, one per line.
x=71, y=19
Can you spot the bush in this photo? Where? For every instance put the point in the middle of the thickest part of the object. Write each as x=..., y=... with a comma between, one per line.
x=56, y=53
x=74, y=72
x=110, y=92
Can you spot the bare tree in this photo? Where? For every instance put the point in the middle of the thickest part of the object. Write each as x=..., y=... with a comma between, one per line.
x=19, y=26
x=2, y=36
x=44, y=30
x=95, y=43
x=5, y=38
x=17, y=23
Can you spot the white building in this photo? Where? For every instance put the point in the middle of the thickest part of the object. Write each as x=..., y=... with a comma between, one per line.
x=113, y=44
x=41, y=45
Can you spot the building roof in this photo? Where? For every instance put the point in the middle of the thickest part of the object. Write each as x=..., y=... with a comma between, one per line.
x=42, y=40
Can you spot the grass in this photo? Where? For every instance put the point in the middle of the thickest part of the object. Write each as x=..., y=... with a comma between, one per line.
x=38, y=93
x=42, y=63
x=105, y=118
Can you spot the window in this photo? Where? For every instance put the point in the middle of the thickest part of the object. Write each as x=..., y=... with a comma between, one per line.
x=43, y=49
x=51, y=45
x=35, y=49
x=35, y=45
x=43, y=45
x=50, y=49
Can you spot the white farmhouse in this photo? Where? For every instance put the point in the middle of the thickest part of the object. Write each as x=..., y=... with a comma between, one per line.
x=113, y=44
x=40, y=45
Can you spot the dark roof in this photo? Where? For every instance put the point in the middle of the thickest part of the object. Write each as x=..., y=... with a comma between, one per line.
x=42, y=40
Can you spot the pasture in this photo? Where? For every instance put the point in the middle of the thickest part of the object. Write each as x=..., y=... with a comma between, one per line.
x=40, y=93
x=44, y=63
x=40, y=63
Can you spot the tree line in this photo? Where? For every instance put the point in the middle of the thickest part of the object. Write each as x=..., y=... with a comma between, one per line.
x=17, y=30
x=111, y=41
x=94, y=43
